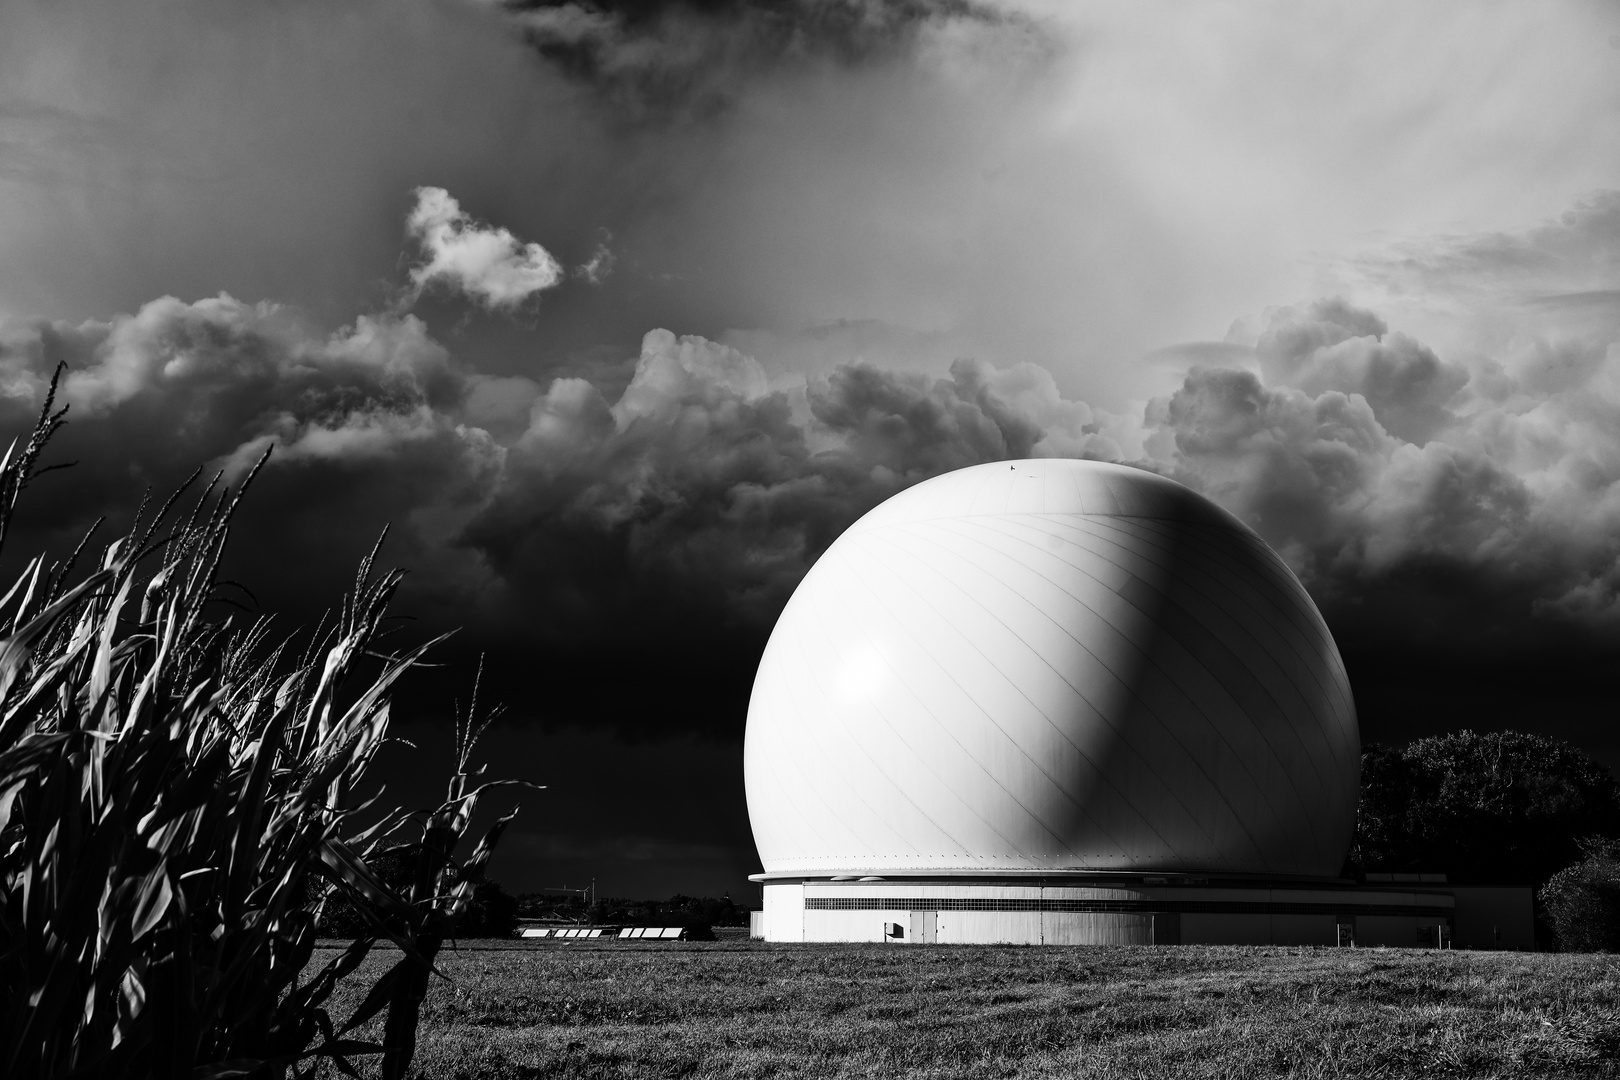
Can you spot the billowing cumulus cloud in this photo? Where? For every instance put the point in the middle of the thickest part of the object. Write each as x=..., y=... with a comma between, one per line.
x=1329, y=345
x=1361, y=454
x=695, y=497
x=1339, y=495
x=364, y=421
x=1354, y=451
x=669, y=514
x=486, y=263
x=1458, y=519
x=704, y=489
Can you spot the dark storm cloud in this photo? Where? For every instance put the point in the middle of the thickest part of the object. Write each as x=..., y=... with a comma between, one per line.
x=1340, y=496
x=705, y=488
x=1360, y=454
x=664, y=55
x=1457, y=521
x=666, y=516
x=1470, y=572
x=363, y=421
x=701, y=492
x=674, y=518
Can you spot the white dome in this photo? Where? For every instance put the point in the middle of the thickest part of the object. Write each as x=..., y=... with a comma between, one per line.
x=1051, y=665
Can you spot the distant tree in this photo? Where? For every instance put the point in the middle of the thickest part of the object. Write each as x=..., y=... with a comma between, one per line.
x=688, y=912
x=706, y=911
x=1582, y=902
x=492, y=913
x=1499, y=808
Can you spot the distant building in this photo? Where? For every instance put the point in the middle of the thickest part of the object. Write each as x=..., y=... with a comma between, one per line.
x=1060, y=701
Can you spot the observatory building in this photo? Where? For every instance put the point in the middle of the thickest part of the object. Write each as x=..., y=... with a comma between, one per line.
x=1059, y=701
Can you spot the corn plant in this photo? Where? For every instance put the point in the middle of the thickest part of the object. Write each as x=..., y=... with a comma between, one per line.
x=440, y=891
x=177, y=794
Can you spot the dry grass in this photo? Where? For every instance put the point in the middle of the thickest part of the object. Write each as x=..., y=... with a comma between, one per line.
x=734, y=1009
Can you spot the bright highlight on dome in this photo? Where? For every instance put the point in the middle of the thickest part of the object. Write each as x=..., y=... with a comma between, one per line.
x=1015, y=697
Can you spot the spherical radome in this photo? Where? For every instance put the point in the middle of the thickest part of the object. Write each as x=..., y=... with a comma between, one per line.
x=1051, y=665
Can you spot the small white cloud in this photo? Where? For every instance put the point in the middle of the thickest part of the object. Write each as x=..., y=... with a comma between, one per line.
x=601, y=261
x=486, y=263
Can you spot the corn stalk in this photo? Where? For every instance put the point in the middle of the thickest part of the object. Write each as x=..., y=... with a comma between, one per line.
x=175, y=788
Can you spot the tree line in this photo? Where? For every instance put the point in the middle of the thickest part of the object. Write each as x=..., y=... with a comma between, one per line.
x=1499, y=808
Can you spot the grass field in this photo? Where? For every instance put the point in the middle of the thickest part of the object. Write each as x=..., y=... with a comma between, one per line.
x=746, y=1009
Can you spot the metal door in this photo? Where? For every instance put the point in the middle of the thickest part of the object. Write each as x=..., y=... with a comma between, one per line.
x=924, y=926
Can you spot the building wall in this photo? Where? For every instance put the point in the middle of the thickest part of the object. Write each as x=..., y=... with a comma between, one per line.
x=1014, y=914
x=1495, y=918
x=1201, y=928
x=1401, y=932
x=970, y=927
x=1095, y=929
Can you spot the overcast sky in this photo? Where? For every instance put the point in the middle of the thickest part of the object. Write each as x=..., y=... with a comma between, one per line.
x=619, y=312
